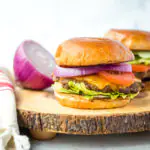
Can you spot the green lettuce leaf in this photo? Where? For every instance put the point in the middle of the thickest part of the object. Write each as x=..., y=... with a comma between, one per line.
x=141, y=58
x=80, y=89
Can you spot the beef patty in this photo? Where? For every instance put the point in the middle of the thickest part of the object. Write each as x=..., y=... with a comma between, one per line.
x=143, y=75
x=134, y=88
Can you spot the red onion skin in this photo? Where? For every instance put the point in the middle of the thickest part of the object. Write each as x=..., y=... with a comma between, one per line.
x=26, y=74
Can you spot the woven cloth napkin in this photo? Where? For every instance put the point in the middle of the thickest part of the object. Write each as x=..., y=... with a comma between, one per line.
x=10, y=139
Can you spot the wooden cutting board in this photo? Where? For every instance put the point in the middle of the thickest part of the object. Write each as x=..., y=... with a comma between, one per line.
x=39, y=110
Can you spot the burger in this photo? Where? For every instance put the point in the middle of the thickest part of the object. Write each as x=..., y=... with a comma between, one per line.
x=139, y=42
x=92, y=73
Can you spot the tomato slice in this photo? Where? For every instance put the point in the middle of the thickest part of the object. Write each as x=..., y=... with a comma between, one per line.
x=126, y=78
x=140, y=68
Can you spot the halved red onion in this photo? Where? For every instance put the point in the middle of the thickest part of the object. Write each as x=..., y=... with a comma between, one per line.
x=81, y=71
x=33, y=65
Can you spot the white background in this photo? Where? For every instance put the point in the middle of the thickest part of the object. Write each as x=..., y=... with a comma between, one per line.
x=52, y=21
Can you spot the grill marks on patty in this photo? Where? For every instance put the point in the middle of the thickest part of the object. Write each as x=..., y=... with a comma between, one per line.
x=134, y=88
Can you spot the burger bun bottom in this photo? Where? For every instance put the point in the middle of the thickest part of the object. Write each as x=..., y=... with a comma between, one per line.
x=78, y=101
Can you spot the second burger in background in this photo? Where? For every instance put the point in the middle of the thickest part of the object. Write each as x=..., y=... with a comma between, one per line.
x=139, y=42
x=91, y=74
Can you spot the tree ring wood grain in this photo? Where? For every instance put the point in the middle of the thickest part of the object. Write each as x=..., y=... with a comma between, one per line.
x=39, y=110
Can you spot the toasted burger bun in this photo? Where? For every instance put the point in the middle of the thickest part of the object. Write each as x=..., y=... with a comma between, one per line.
x=133, y=39
x=91, y=51
x=77, y=101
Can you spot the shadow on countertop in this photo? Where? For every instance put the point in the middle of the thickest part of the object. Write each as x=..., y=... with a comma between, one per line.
x=128, y=141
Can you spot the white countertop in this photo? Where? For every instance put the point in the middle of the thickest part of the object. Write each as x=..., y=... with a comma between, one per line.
x=137, y=141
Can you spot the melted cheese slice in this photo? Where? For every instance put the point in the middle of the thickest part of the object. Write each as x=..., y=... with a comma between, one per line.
x=100, y=82
x=97, y=81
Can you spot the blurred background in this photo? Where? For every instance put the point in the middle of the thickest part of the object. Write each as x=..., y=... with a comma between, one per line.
x=50, y=22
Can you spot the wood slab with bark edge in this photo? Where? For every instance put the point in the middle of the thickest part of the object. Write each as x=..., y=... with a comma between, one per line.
x=39, y=110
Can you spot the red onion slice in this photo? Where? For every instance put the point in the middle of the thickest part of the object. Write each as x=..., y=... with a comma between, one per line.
x=33, y=66
x=81, y=71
